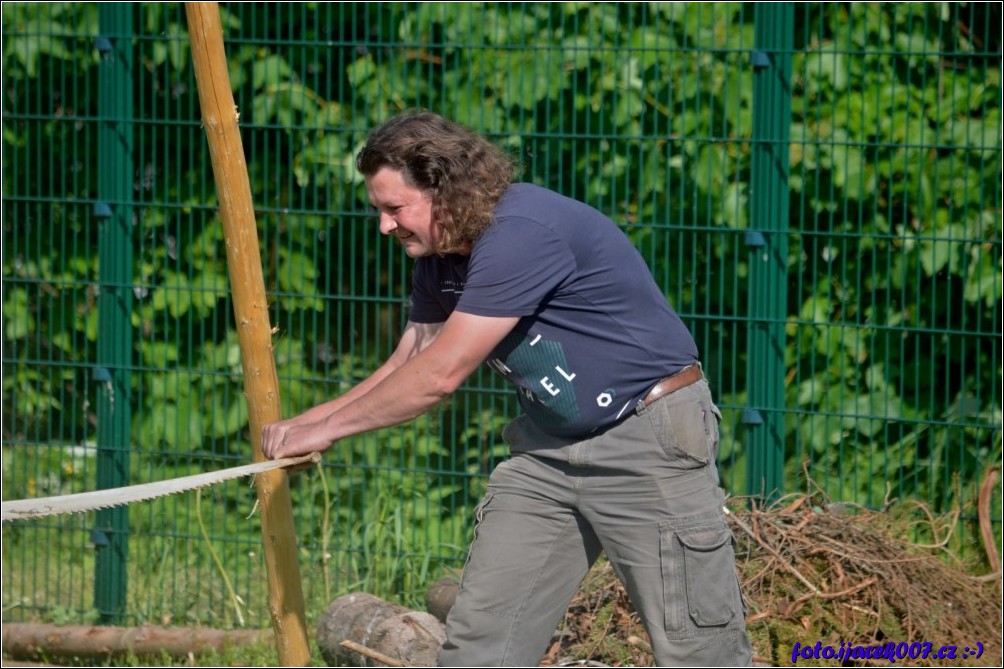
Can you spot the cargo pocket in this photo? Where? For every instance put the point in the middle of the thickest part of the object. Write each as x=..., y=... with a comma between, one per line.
x=701, y=588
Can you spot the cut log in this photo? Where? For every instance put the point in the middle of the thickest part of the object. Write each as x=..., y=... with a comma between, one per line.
x=412, y=637
x=440, y=596
x=353, y=617
x=28, y=641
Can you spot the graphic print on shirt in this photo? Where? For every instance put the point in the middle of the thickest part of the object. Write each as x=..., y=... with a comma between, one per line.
x=542, y=375
x=454, y=288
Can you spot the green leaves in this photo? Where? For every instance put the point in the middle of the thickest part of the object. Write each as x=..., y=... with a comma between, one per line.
x=42, y=32
x=983, y=276
x=19, y=321
x=297, y=276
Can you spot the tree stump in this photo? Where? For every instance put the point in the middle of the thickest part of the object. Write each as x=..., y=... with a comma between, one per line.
x=412, y=637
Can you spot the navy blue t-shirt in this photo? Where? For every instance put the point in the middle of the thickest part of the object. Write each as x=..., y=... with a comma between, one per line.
x=595, y=332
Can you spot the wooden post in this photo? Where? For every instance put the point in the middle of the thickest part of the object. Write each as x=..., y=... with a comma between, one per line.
x=219, y=118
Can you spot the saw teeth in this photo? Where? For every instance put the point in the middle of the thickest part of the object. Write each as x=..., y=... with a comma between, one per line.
x=143, y=492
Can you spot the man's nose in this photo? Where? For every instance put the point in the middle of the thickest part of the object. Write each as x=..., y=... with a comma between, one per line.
x=387, y=223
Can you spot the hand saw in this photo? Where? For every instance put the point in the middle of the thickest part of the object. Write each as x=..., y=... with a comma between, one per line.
x=103, y=499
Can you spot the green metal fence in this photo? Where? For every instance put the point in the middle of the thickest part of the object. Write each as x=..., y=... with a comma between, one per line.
x=816, y=187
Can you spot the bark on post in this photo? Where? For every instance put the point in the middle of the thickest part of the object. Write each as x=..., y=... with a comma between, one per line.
x=219, y=118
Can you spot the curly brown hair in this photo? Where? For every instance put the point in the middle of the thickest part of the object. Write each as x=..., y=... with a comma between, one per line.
x=463, y=173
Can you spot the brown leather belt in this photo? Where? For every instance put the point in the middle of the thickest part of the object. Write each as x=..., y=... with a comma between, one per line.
x=671, y=384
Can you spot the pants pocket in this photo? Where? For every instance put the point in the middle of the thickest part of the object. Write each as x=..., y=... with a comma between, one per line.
x=701, y=588
x=687, y=430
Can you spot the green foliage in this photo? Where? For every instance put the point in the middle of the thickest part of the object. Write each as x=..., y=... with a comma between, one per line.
x=890, y=184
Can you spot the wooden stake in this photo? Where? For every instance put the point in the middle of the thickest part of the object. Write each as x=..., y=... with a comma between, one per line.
x=219, y=118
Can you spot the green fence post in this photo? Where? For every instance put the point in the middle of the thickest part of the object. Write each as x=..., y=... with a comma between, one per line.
x=767, y=239
x=110, y=534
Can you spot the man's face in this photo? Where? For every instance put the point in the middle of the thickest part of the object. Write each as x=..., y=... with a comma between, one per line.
x=405, y=212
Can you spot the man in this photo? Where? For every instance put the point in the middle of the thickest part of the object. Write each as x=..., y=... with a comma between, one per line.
x=616, y=447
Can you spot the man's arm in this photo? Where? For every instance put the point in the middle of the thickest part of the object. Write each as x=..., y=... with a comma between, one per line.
x=415, y=338
x=395, y=393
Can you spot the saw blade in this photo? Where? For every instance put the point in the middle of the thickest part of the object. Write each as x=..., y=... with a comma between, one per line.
x=110, y=497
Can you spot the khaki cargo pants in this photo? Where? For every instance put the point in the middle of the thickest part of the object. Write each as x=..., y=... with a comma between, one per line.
x=646, y=492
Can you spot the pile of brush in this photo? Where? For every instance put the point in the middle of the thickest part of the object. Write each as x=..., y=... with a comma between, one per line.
x=814, y=571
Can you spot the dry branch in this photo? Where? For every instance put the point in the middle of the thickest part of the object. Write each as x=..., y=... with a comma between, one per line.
x=986, y=527
x=33, y=641
x=372, y=654
x=866, y=580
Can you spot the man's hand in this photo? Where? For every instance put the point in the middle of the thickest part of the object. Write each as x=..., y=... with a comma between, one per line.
x=287, y=438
